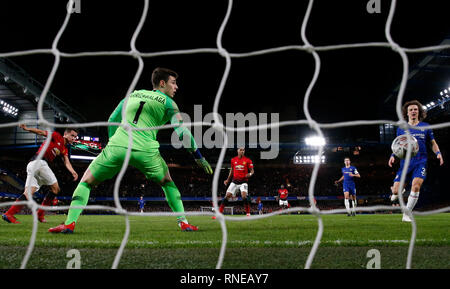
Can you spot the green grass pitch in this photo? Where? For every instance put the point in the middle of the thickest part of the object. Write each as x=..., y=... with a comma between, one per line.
x=276, y=242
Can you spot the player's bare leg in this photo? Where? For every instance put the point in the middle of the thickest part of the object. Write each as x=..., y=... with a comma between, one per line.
x=9, y=215
x=395, y=189
x=414, y=195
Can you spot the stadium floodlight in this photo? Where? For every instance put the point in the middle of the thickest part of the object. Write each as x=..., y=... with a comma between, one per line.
x=432, y=103
x=424, y=107
x=9, y=109
x=442, y=93
x=315, y=141
x=300, y=158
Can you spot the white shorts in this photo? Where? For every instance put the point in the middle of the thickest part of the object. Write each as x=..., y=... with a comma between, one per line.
x=283, y=202
x=42, y=176
x=233, y=188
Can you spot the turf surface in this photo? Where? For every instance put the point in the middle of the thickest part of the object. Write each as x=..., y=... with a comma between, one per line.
x=282, y=241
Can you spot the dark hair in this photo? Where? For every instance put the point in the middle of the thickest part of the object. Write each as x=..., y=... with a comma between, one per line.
x=422, y=112
x=160, y=73
x=69, y=129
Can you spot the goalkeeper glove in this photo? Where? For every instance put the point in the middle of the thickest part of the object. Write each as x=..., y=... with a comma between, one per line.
x=201, y=162
x=205, y=165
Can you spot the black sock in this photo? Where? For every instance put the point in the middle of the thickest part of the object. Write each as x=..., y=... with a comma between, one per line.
x=48, y=198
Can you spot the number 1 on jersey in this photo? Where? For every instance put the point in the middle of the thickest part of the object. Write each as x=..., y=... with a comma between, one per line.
x=138, y=112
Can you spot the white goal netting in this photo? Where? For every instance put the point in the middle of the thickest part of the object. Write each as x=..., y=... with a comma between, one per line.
x=219, y=126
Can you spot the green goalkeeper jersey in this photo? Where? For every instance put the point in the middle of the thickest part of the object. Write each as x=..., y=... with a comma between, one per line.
x=146, y=109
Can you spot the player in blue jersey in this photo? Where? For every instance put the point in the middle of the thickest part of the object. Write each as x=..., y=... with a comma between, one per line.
x=416, y=173
x=141, y=203
x=260, y=206
x=348, y=173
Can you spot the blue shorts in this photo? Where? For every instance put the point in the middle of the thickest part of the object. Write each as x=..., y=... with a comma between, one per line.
x=350, y=188
x=415, y=170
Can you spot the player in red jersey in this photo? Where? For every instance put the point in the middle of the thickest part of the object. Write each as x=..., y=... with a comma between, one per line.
x=283, y=197
x=241, y=170
x=39, y=173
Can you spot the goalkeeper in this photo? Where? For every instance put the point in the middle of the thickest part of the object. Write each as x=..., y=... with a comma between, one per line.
x=144, y=109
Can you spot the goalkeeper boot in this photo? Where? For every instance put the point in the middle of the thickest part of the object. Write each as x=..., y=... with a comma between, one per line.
x=185, y=227
x=65, y=229
x=10, y=218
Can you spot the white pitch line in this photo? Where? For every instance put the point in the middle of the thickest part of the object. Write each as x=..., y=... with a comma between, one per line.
x=291, y=243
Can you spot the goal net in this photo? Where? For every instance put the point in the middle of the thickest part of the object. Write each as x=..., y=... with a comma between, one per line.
x=313, y=55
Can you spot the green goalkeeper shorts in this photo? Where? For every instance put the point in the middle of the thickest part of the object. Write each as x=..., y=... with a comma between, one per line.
x=109, y=162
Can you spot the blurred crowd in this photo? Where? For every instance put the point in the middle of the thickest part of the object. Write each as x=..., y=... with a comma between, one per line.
x=193, y=182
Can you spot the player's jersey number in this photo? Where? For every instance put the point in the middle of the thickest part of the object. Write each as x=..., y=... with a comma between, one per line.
x=138, y=112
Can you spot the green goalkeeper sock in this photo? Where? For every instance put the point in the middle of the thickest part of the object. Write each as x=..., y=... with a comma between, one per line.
x=80, y=198
x=173, y=198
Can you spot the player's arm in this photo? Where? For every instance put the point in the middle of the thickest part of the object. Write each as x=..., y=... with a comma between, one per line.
x=392, y=157
x=227, y=181
x=69, y=167
x=250, y=168
x=340, y=180
x=116, y=116
x=437, y=152
x=185, y=135
x=356, y=174
x=391, y=160
x=251, y=173
x=33, y=130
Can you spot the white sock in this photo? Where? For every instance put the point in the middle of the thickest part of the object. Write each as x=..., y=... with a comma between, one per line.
x=412, y=200
x=354, y=205
x=347, y=205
